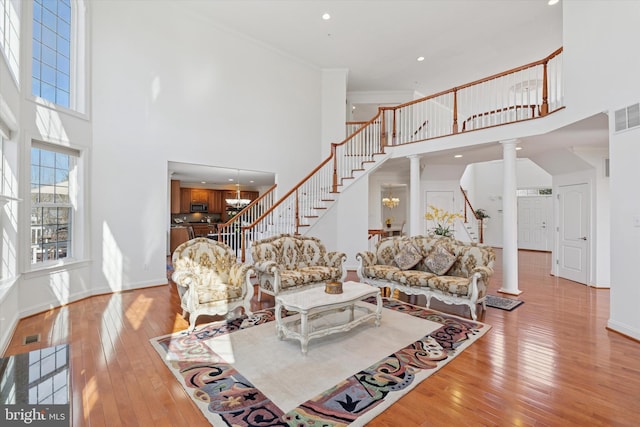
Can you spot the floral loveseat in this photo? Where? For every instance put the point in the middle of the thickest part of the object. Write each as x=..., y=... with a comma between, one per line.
x=449, y=270
x=285, y=262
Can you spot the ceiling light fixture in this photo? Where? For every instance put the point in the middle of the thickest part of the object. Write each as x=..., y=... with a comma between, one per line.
x=326, y=16
x=420, y=58
x=457, y=156
x=518, y=148
x=390, y=201
x=552, y=2
x=238, y=202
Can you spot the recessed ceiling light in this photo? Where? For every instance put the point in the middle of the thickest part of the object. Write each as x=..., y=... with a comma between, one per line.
x=420, y=58
x=457, y=156
x=230, y=180
x=518, y=148
x=326, y=16
x=552, y=2
x=203, y=182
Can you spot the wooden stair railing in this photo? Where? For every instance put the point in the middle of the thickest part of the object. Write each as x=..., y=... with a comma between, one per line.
x=478, y=219
x=230, y=232
x=406, y=123
x=312, y=195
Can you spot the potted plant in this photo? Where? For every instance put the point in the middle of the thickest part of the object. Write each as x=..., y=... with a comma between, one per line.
x=482, y=214
x=444, y=220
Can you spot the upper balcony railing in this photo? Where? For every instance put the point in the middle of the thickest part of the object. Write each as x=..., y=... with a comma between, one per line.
x=527, y=92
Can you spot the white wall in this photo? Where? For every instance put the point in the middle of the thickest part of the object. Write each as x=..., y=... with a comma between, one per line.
x=194, y=95
x=334, y=108
x=602, y=75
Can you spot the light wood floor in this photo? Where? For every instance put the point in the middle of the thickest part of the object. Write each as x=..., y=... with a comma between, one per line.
x=550, y=362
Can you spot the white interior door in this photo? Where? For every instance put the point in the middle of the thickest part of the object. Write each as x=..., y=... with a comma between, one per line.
x=573, y=232
x=534, y=223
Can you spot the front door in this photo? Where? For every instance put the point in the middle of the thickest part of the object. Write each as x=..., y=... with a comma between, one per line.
x=534, y=223
x=573, y=230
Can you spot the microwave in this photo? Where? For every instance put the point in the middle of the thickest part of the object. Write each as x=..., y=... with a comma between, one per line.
x=199, y=207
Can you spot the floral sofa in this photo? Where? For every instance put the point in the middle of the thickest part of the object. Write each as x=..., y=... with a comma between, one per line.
x=438, y=267
x=210, y=280
x=285, y=262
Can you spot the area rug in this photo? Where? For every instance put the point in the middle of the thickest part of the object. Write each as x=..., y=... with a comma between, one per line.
x=502, y=303
x=239, y=373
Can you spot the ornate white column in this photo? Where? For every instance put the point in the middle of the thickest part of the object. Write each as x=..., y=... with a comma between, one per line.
x=415, y=207
x=510, y=220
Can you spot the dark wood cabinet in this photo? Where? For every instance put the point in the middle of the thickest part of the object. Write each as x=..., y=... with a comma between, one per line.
x=216, y=201
x=199, y=195
x=181, y=198
x=176, y=208
x=185, y=200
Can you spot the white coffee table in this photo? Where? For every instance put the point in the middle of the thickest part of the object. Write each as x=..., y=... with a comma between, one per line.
x=315, y=306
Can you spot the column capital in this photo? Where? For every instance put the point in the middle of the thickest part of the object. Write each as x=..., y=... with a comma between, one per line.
x=510, y=142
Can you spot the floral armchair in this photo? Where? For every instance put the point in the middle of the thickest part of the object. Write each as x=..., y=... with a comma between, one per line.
x=210, y=280
x=287, y=262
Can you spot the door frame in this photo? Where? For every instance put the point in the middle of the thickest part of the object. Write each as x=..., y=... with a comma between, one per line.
x=590, y=231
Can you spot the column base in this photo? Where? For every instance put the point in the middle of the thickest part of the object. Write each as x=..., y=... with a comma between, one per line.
x=510, y=292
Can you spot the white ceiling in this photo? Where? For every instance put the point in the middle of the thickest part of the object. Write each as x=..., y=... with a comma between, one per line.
x=378, y=41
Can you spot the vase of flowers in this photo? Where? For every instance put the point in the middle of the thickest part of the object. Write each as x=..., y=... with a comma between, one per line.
x=388, y=221
x=443, y=219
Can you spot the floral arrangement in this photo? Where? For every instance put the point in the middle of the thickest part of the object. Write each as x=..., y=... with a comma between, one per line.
x=443, y=219
x=388, y=221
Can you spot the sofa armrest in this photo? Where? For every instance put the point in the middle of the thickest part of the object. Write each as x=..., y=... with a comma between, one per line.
x=266, y=267
x=335, y=259
x=239, y=274
x=484, y=271
x=366, y=258
x=184, y=278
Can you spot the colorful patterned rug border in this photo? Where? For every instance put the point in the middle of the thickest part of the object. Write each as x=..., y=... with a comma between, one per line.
x=227, y=398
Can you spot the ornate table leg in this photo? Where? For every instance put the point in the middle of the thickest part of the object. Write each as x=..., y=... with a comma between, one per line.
x=378, y=308
x=304, y=331
x=279, y=325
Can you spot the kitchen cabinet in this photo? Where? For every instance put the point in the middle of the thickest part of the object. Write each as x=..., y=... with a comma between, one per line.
x=203, y=229
x=176, y=208
x=185, y=200
x=179, y=235
x=216, y=201
x=199, y=195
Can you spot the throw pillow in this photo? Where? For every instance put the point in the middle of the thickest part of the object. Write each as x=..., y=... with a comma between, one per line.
x=439, y=260
x=408, y=256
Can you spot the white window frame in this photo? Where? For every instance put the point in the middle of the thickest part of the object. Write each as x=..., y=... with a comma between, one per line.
x=10, y=36
x=78, y=68
x=76, y=223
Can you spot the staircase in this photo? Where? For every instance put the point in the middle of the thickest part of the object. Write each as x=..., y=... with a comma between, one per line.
x=523, y=93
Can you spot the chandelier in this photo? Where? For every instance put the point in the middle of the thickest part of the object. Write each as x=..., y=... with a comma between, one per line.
x=238, y=202
x=390, y=201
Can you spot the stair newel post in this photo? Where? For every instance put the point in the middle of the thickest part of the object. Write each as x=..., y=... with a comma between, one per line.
x=393, y=133
x=383, y=128
x=455, y=111
x=544, y=108
x=297, y=212
x=334, y=184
